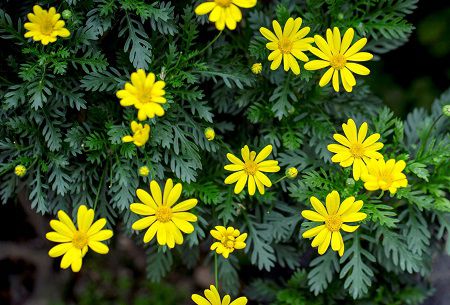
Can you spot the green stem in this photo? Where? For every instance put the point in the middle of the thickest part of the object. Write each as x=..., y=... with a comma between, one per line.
x=282, y=178
x=225, y=145
x=99, y=188
x=381, y=195
x=422, y=147
x=207, y=46
x=216, y=270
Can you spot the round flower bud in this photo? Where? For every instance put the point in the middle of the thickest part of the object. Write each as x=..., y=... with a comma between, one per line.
x=66, y=14
x=20, y=170
x=446, y=110
x=257, y=68
x=144, y=171
x=291, y=172
x=340, y=16
x=209, y=134
x=350, y=182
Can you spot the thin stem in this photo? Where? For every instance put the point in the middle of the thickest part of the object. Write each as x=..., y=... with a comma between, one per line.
x=99, y=188
x=216, y=270
x=422, y=147
x=225, y=145
x=381, y=195
x=282, y=178
x=207, y=46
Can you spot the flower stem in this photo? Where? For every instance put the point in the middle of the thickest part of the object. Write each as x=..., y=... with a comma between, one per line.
x=99, y=188
x=282, y=178
x=422, y=147
x=216, y=271
x=207, y=46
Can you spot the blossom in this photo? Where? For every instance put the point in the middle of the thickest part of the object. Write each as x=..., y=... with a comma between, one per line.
x=251, y=170
x=355, y=150
x=20, y=170
x=74, y=242
x=210, y=133
x=213, y=298
x=140, y=134
x=338, y=55
x=230, y=239
x=291, y=172
x=145, y=94
x=224, y=12
x=256, y=68
x=384, y=176
x=45, y=26
x=333, y=217
x=144, y=171
x=287, y=44
x=162, y=218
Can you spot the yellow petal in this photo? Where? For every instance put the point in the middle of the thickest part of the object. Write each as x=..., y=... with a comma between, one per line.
x=313, y=216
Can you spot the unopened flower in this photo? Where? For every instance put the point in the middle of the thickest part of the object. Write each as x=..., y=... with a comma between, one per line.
x=45, y=26
x=250, y=170
x=256, y=68
x=385, y=176
x=446, y=110
x=230, y=239
x=333, y=218
x=144, y=171
x=145, y=93
x=20, y=170
x=340, y=57
x=287, y=45
x=74, y=242
x=66, y=14
x=213, y=298
x=140, y=134
x=291, y=172
x=210, y=134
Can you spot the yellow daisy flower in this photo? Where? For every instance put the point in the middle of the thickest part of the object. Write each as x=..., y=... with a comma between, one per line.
x=162, y=218
x=355, y=150
x=384, y=176
x=20, y=170
x=224, y=12
x=251, y=170
x=213, y=298
x=287, y=44
x=145, y=94
x=230, y=239
x=74, y=242
x=45, y=26
x=256, y=68
x=338, y=55
x=140, y=134
x=334, y=218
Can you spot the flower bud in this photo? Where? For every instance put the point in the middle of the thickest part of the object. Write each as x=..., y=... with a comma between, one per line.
x=257, y=68
x=350, y=182
x=20, y=170
x=446, y=110
x=66, y=14
x=144, y=171
x=291, y=172
x=209, y=134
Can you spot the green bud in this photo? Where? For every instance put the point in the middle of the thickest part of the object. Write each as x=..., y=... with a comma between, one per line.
x=340, y=16
x=66, y=14
x=446, y=110
x=350, y=182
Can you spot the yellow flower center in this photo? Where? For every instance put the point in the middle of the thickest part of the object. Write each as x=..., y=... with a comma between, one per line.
x=250, y=167
x=357, y=150
x=338, y=61
x=333, y=223
x=385, y=179
x=80, y=239
x=228, y=241
x=223, y=3
x=145, y=95
x=46, y=26
x=163, y=214
x=285, y=45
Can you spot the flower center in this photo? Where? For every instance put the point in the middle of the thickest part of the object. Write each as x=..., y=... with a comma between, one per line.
x=46, y=27
x=285, y=45
x=333, y=223
x=163, y=214
x=228, y=241
x=338, y=61
x=357, y=150
x=385, y=180
x=223, y=3
x=250, y=167
x=80, y=239
x=145, y=95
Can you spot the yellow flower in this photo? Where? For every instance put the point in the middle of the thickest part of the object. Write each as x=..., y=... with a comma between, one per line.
x=74, y=242
x=45, y=26
x=338, y=54
x=230, y=239
x=256, y=68
x=334, y=218
x=144, y=171
x=355, y=150
x=291, y=173
x=161, y=217
x=384, y=176
x=145, y=94
x=287, y=44
x=251, y=170
x=210, y=134
x=140, y=134
x=213, y=298
x=20, y=170
x=224, y=12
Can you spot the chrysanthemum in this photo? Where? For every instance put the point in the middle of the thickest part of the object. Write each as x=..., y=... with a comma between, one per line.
x=224, y=12
x=251, y=170
x=162, y=218
x=334, y=217
x=287, y=44
x=145, y=94
x=140, y=134
x=355, y=150
x=45, y=26
x=230, y=239
x=213, y=298
x=338, y=56
x=384, y=176
x=74, y=242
